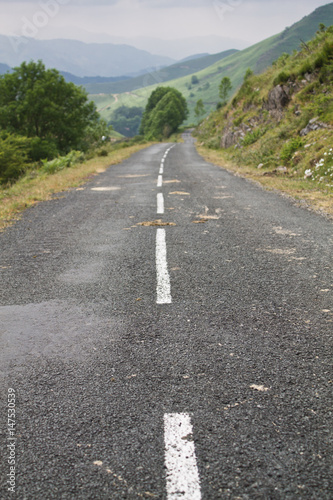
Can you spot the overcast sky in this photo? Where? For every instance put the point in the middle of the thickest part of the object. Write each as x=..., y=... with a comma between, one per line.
x=96, y=20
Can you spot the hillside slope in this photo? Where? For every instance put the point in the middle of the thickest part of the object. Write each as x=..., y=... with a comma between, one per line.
x=280, y=123
x=178, y=70
x=257, y=57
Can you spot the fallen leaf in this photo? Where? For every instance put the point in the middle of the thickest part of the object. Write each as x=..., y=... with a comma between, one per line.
x=171, y=181
x=98, y=462
x=202, y=221
x=181, y=193
x=260, y=388
x=157, y=222
x=285, y=232
x=209, y=217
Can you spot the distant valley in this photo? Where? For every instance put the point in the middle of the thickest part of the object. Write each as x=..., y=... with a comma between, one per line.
x=120, y=75
x=208, y=71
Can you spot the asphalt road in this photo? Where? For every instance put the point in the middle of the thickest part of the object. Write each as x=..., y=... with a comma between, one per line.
x=188, y=360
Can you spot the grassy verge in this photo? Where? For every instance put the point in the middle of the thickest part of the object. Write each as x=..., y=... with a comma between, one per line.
x=316, y=197
x=38, y=186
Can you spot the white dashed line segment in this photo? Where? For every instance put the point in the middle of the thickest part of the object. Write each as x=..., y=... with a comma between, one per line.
x=182, y=476
x=160, y=204
x=159, y=181
x=163, y=288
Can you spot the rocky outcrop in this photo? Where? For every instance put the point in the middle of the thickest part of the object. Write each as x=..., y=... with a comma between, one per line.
x=313, y=124
x=278, y=98
x=231, y=137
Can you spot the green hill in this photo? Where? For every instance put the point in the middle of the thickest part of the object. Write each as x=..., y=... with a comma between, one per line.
x=172, y=72
x=280, y=123
x=257, y=57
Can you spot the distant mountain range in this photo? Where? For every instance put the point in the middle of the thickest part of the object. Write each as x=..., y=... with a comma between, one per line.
x=81, y=59
x=208, y=70
x=180, y=48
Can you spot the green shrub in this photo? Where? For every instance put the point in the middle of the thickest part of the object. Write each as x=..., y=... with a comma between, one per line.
x=62, y=162
x=213, y=143
x=306, y=68
x=253, y=136
x=282, y=78
x=282, y=60
x=103, y=152
x=13, y=157
x=42, y=149
x=290, y=148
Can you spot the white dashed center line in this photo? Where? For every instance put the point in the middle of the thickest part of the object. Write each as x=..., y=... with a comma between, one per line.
x=159, y=181
x=163, y=288
x=160, y=204
x=182, y=476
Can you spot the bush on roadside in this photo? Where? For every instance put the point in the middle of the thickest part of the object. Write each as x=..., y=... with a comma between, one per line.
x=53, y=166
x=290, y=148
x=14, y=159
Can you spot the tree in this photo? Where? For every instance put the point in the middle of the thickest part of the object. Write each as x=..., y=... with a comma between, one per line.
x=39, y=103
x=199, y=109
x=224, y=89
x=194, y=80
x=165, y=111
x=126, y=120
x=248, y=74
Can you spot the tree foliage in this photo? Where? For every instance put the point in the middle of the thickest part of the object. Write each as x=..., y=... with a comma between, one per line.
x=39, y=103
x=165, y=112
x=199, y=108
x=224, y=89
x=126, y=120
x=13, y=157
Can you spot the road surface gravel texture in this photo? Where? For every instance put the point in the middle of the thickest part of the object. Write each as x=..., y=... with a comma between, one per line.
x=101, y=373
